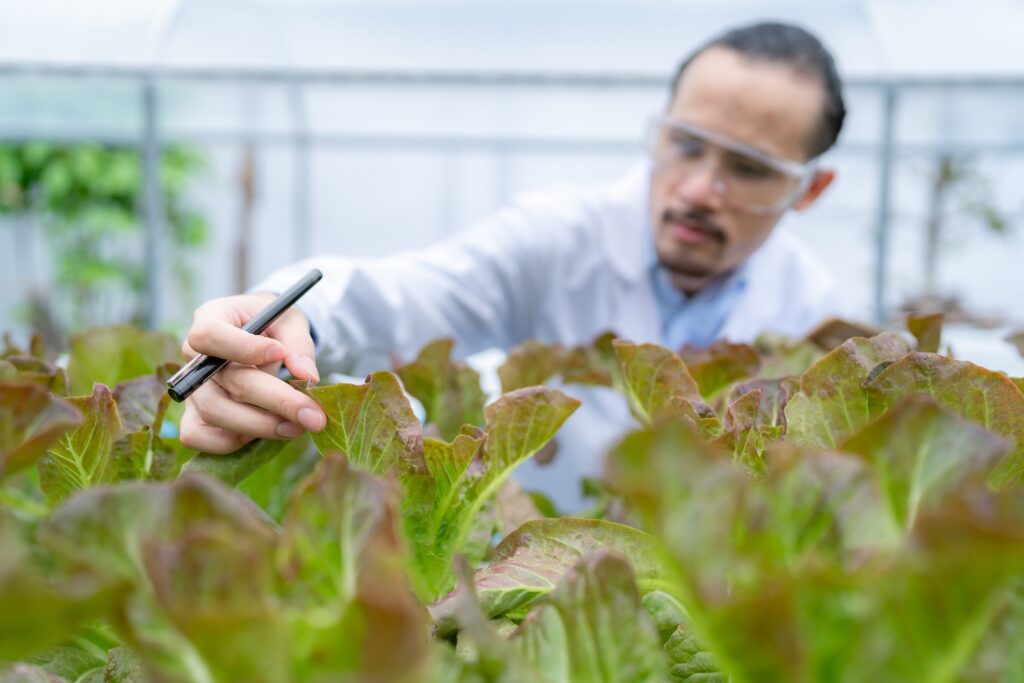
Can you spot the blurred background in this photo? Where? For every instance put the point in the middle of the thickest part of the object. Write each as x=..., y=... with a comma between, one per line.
x=155, y=154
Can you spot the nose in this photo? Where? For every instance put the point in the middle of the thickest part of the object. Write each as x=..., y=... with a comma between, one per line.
x=702, y=187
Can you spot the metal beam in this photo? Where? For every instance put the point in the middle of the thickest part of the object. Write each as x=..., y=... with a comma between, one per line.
x=467, y=143
x=885, y=162
x=459, y=78
x=152, y=201
x=302, y=190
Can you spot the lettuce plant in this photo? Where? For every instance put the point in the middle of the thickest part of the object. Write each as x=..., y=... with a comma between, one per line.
x=781, y=512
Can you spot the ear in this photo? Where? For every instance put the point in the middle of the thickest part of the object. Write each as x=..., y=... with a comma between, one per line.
x=821, y=180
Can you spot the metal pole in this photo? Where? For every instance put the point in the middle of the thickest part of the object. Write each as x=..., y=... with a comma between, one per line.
x=302, y=192
x=152, y=202
x=470, y=79
x=885, y=159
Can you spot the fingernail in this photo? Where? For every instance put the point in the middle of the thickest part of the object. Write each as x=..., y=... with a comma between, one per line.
x=274, y=354
x=312, y=420
x=310, y=366
x=288, y=430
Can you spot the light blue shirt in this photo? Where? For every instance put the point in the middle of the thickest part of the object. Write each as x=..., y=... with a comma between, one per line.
x=692, y=320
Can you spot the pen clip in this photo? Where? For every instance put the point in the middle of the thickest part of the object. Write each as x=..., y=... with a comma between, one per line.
x=185, y=369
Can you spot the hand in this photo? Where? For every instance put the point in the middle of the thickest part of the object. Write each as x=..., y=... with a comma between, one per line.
x=245, y=400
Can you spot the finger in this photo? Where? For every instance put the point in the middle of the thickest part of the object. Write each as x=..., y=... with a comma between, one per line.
x=217, y=409
x=252, y=386
x=220, y=338
x=292, y=330
x=198, y=435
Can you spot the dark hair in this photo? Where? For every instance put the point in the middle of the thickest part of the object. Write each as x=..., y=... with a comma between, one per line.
x=793, y=46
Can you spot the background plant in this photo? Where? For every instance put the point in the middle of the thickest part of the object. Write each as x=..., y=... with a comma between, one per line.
x=87, y=201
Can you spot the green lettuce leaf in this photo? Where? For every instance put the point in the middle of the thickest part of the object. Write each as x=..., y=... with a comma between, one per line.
x=747, y=430
x=832, y=402
x=449, y=391
x=594, y=363
x=339, y=561
x=783, y=357
x=31, y=421
x=70, y=663
x=82, y=458
x=982, y=396
x=514, y=507
x=528, y=564
x=371, y=424
x=592, y=627
x=234, y=468
x=772, y=399
x=719, y=365
x=32, y=370
x=27, y=673
x=144, y=401
x=272, y=485
x=34, y=612
x=482, y=653
x=442, y=502
x=111, y=355
x=656, y=381
x=927, y=330
x=964, y=559
x=530, y=364
x=919, y=450
x=141, y=535
x=215, y=584
x=123, y=666
x=803, y=576
x=688, y=661
x=333, y=519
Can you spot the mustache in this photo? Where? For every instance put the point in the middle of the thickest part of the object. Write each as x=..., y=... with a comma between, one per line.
x=696, y=219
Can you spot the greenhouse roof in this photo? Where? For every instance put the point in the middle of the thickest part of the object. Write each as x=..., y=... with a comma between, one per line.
x=872, y=38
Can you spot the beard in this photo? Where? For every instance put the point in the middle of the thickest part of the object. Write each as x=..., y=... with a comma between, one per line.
x=686, y=261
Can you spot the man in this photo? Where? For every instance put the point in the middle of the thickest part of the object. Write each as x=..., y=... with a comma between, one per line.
x=681, y=251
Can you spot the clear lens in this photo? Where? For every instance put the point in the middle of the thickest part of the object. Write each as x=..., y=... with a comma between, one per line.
x=748, y=179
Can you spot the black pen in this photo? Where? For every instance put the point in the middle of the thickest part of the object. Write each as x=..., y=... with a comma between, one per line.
x=202, y=367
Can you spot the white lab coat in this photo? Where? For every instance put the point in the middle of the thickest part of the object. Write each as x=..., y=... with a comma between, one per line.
x=560, y=265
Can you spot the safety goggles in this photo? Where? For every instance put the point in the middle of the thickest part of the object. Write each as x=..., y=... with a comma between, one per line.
x=746, y=178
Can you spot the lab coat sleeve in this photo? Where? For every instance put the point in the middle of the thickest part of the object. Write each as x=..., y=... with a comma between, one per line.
x=482, y=287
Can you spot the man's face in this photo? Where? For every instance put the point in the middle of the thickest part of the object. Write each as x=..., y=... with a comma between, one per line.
x=698, y=233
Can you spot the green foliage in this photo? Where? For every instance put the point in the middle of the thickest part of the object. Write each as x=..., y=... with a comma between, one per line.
x=529, y=563
x=449, y=390
x=89, y=199
x=927, y=330
x=31, y=420
x=593, y=628
x=858, y=519
x=442, y=502
x=36, y=613
x=371, y=424
x=918, y=449
x=111, y=355
x=720, y=365
x=832, y=401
